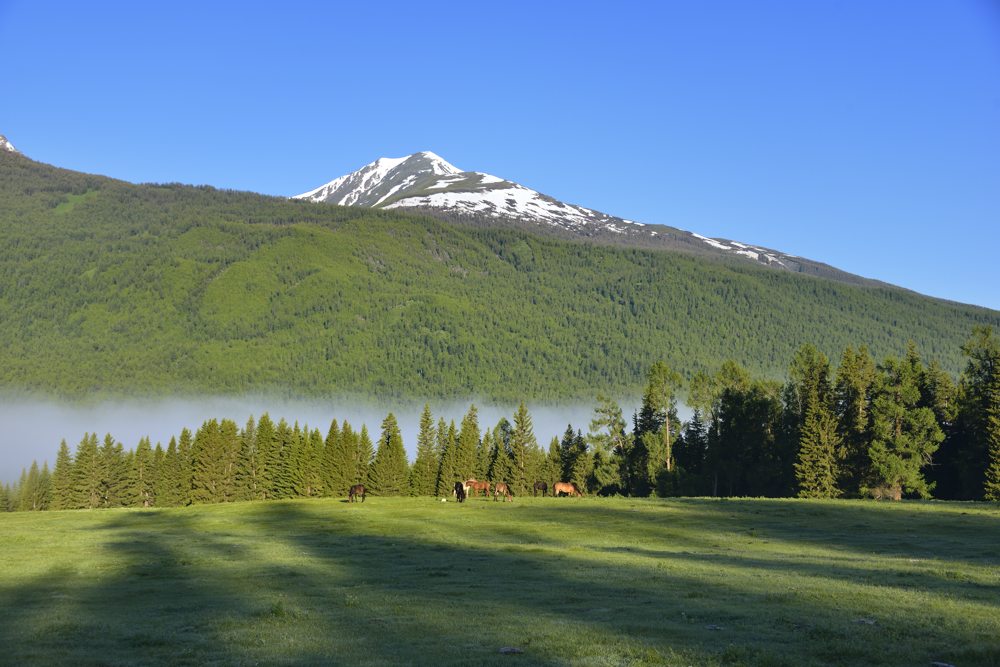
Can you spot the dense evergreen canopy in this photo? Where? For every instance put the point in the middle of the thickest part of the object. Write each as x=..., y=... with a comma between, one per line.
x=108, y=288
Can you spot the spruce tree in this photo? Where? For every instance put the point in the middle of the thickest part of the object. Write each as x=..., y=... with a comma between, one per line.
x=389, y=474
x=423, y=476
x=523, y=447
x=313, y=461
x=329, y=459
x=289, y=478
x=248, y=465
x=268, y=456
x=363, y=455
x=168, y=492
x=448, y=472
x=905, y=436
x=141, y=491
x=991, y=488
x=185, y=470
x=207, y=464
x=468, y=442
x=816, y=469
x=445, y=473
x=114, y=472
x=62, y=479
x=501, y=468
x=342, y=472
x=852, y=407
x=86, y=477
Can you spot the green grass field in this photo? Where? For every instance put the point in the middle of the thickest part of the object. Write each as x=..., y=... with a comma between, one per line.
x=566, y=581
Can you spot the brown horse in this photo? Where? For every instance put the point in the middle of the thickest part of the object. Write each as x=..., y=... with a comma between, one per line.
x=569, y=488
x=459, y=492
x=475, y=487
x=540, y=486
x=501, y=488
x=356, y=490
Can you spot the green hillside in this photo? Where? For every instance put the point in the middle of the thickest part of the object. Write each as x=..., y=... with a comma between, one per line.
x=108, y=288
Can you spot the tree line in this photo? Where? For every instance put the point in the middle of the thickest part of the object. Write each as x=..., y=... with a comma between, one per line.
x=893, y=429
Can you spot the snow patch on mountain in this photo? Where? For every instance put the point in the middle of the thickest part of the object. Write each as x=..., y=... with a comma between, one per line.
x=5, y=145
x=426, y=181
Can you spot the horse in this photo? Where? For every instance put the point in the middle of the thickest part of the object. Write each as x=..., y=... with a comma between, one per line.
x=540, y=486
x=356, y=490
x=501, y=488
x=474, y=487
x=569, y=488
x=459, y=491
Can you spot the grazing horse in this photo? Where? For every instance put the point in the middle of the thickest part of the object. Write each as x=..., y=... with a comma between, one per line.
x=474, y=487
x=569, y=488
x=501, y=488
x=540, y=486
x=459, y=492
x=356, y=490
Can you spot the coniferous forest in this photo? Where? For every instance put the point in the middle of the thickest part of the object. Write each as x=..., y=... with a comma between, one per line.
x=109, y=289
x=899, y=427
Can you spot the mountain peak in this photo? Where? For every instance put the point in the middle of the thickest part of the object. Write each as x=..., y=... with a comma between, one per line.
x=375, y=183
x=5, y=145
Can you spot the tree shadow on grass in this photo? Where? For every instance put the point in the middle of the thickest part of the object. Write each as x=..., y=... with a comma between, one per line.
x=321, y=583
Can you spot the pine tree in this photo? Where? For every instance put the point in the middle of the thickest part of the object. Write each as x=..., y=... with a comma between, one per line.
x=390, y=471
x=62, y=479
x=423, y=476
x=611, y=445
x=657, y=424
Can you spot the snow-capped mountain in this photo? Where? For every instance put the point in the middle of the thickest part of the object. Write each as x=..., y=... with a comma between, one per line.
x=427, y=183
x=5, y=145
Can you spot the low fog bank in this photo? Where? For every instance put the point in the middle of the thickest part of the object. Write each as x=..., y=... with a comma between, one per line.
x=33, y=429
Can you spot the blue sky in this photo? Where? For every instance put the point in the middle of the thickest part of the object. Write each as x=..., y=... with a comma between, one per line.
x=865, y=134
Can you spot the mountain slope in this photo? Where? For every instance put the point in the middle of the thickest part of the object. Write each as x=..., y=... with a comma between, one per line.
x=108, y=288
x=426, y=183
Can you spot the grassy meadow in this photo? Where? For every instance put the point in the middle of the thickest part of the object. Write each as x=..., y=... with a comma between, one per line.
x=564, y=581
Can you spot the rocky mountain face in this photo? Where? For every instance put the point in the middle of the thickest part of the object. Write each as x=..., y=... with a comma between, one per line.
x=427, y=183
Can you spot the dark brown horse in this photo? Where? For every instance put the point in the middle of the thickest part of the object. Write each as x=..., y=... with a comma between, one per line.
x=459, y=491
x=356, y=490
x=569, y=488
x=540, y=486
x=475, y=487
x=501, y=489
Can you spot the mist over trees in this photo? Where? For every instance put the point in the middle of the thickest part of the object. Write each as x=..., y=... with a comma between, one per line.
x=901, y=427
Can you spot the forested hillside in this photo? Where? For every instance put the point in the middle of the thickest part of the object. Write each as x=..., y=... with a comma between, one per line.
x=108, y=288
